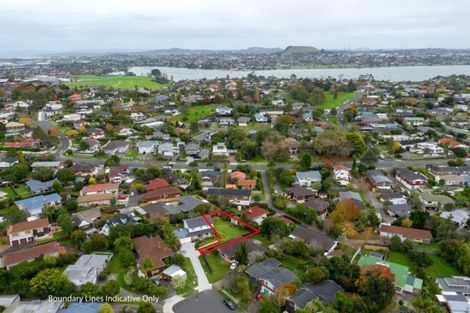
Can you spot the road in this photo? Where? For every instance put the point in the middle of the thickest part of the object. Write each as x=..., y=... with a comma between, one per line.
x=340, y=110
x=267, y=190
x=205, y=302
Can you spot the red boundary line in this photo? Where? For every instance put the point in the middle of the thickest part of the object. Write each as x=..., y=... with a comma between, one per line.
x=213, y=246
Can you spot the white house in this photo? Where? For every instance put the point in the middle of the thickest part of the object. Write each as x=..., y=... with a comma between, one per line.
x=342, y=175
x=196, y=228
x=220, y=149
x=147, y=147
x=87, y=268
x=306, y=179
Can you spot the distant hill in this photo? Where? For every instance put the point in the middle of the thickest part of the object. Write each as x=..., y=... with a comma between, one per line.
x=298, y=50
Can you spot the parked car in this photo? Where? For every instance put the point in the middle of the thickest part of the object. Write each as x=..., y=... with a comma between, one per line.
x=233, y=265
x=229, y=304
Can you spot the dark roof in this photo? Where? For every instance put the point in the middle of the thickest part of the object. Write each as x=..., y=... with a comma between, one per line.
x=324, y=291
x=270, y=270
x=317, y=204
x=400, y=209
x=185, y=204
x=198, y=221
x=153, y=248
x=409, y=175
x=299, y=191
x=250, y=245
x=311, y=236
x=228, y=192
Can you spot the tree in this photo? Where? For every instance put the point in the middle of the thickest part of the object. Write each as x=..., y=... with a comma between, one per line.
x=146, y=307
x=316, y=306
x=97, y=242
x=126, y=257
x=65, y=222
x=283, y=292
x=395, y=147
x=242, y=255
x=346, y=211
x=370, y=157
x=342, y=272
x=357, y=141
x=241, y=286
x=345, y=303
x=51, y=282
x=43, y=173
x=90, y=290
x=112, y=161
x=268, y=307
x=376, y=284
x=111, y=288
x=78, y=237
x=66, y=175
x=305, y=162
x=332, y=143
x=316, y=275
x=147, y=265
x=457, y=253
x=272, y=227
x=106, y=308
x=124, y=242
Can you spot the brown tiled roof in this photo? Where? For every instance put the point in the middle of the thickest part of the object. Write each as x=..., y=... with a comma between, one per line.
x=162, y=193
x=95, y=197
x=100, y=187
x=40, y=223
x=27, y=254
x=154, y=248
x=406, y=232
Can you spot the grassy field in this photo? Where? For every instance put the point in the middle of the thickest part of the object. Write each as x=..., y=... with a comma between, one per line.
x=9, y=191
x=23, y=191
x=116, y=82
x=439, y=268
x=196, y=113
x=218, y=266
x=331, y=102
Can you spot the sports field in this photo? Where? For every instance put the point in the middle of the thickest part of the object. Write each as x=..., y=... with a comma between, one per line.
x=116, y=82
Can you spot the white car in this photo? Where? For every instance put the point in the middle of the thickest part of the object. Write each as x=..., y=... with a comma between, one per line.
x=233, y=265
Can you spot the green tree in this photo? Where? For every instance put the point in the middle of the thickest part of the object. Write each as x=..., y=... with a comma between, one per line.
x=66, y=175
x=146, y=307
x=242, y=255
x=305, y=162
x=43, y=173
x=78, y=237
x=90, y=290
x=111, y=288
x=65, y=222
x=112, y=161
x=274, y=227
x=51, y=282
x=106, y=308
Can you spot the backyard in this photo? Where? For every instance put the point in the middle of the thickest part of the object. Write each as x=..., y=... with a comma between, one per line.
x=117, y=82
x=439, y=268
x=196, y=113
x=331, y=102
x=23, y=191
x=191, y=280
x=218, y=266
x=226, y=230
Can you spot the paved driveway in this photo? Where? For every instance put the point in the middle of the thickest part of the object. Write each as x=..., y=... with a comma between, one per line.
x=205, y=302
x=191, y=252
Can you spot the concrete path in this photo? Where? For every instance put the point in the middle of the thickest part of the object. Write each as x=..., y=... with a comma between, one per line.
x=170, y=302
x=191, y=252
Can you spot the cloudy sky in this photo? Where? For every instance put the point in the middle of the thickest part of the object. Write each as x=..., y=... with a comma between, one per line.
x=65, y=25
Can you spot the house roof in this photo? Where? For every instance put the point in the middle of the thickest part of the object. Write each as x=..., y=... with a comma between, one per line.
x=409, y=175
x=100, y=187
x=37, y=203
x=458, y=216
x=116, y=144
x=454, y=284
x=38, y=186
x=312, y=236
x=324, y=291
x=255, y=212
x=198, y=221
x=270, y=270
x=87, y=266
x=318, y=205
x=184, y=204
x=250, y=245
x=39, y=223
x=407, y=232
x=156, y=183
x=161, y=193
x=299, y=191
x=88, y=215
x=310, y=175
x=153, y=248
x=95, y=197
x=19, y=256
x=246, y=182
x=237, y=175
x=228, y=192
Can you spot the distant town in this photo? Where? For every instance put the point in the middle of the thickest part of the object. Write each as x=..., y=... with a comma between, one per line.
x=254, y=194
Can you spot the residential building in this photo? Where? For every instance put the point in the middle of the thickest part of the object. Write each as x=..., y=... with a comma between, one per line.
x=236, y=196
x=341, y=174
x=220, y=149
x=379, y=180
x=35, y=205
x=147, y=147
x=161, y=194
x=155, y=249
x=270, y=275
x=156, y=183
x=98, y=199
x=121, y=219
x=55, y=165
x=105, y=188
x=87, y=268
x=324, y=291
x=84, y=169
x=116, y=147
x=410, y=179
x=253, y=248
x=415, y=235
x=306, y=179
x=320, y=206
x=85, y=220
x=431, y=201
x=37, y=186
x=10, y=258
x=314, y=239
x=458, y=217
x=195, y=228
x=456, y=284
x=118, y=174
x=30, y=231
x=299, y=194
x=256, y=214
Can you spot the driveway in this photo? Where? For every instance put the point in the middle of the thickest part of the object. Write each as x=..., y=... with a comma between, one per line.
x=205, y=302
x=170, y=302
x=191, y=252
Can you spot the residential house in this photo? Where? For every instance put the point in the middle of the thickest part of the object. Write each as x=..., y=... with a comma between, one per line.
x=353, y=196
x=458, y=217
x=320, y=206
x=37, y=186
x=35, y=205
x=116, y=147
x=451, y=143
x=8, y=162
x=84, y=169
x=270, y=275
x=236, y=196
x=261, y=118
x=14, y=128
x=184, y=204
x=379, y=180
x=22, y=233
x=392, y=197
x=413, y=234
x=105, y=188
x=398, y=210
x=12, y=257
x=220, y=149
x=172, y=272
x=243, y=121
x=299, y=194
x=306, y=179
x=147, y=147
x=256, y=214
x=98, y=199
x=161, y=194
x=292, y=146
x=431, y=201
x=121, y=219
x=324, y=291
x=226, y=121
x=224, y=111
x=454, y=302
x=342, y=175
x=456, y=284
x=85, y=220
x=55, y=165
x=253, y=248
x=156, y=183
x=154, y=249
x=195, y=228
x=314, y=239
x=410, y=179
x=87, y=268
x=118, y=174
x=404, y=280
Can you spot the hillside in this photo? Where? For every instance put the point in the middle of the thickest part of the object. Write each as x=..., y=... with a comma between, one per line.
x=298, y=50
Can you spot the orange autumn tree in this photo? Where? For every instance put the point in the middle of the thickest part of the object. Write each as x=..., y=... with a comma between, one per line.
x=346, y=211
x=376, y=284
x=283, y=293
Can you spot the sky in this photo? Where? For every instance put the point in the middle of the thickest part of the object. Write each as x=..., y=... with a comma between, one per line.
x=69, y=25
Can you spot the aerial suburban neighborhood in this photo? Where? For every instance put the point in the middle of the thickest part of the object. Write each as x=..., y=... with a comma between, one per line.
x=126, y=189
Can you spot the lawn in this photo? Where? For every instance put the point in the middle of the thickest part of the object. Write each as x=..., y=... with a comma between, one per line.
x=23, y=191
x=191, y=279
x=55, y=236
x=115, y=267
x=11, y=194
x=196, y=113
x=219, y=267
x=133, y=153
x=226, y=230
x=294, y=264
x=331, y=102
x=116, y=82
x=439, y=268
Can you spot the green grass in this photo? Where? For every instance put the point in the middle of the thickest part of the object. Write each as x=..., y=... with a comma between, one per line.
x=294, y=264
x=191, y=279
x=196, y=113
x=55, y=236
x=11, y=194
x=116, y=82
x=23, y=191
x=133, y=153
x=115, y=267
x=226, y=230
x=219, y=267
x=331, y=102
x=439, y=268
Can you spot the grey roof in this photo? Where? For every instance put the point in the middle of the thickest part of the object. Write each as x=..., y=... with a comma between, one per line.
x=46, y=164
x=457, y=303
x=391, y=195
x=350, y=195
x=310, y=175
x=324, y=291
x=317, y=204
x=458, y=216
x=198, y=221
x=455, y=284
x=409, y=175
x=379, y=178
x=184, y=204
x=37, y=186
x=269, y=270
x=400, y=209
x=311, y=236
x=87, y=266
x=251, y=246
